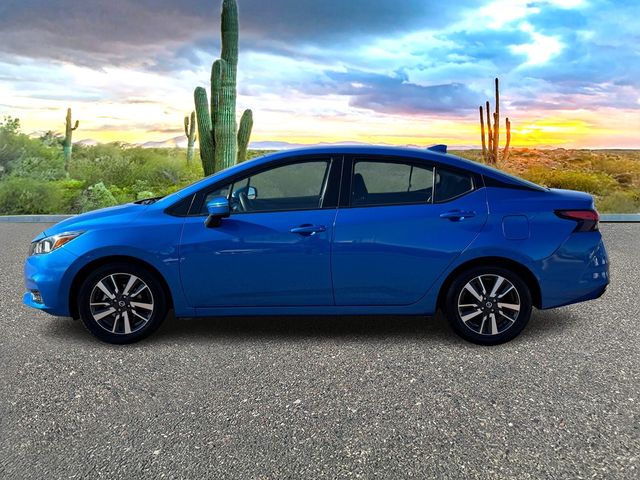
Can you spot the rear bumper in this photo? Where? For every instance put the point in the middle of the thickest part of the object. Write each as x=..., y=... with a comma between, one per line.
x=576, y=272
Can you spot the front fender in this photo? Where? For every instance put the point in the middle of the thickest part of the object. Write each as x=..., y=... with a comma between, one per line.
x=160, y=251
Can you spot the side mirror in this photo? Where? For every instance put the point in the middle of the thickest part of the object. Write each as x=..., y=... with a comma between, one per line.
x=218, y=208
x=252, y=193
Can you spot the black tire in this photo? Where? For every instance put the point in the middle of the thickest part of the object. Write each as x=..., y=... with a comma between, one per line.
x=480, y=328
x=132, y=319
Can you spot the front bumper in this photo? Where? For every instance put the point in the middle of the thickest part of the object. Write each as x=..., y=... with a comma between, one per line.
x=47, y=275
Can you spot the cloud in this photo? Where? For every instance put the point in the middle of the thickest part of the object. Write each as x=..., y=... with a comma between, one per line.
x=493, y=45
x=322, y=22
x=606, y=95
x=129, y=32
x=96, y=32
x=395, y=94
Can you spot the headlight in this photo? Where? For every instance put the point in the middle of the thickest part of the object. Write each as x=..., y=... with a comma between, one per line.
x=49, y=244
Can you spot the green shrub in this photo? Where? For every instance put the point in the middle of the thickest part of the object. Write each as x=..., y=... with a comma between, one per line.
x=145, y=194
x=102, y=163
x=23, y=196
x=28, y=157
x=71, y=193
x=48, y=165
x=591, y=182
x=626, y=171
x=619, y=202
x=97, y=196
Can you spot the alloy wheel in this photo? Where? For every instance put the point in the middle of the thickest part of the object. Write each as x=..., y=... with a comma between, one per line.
x=121, y=303
x=489, y=304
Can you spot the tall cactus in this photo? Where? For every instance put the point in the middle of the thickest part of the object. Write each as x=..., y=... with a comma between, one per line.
x=244, y=132
x=222, y=144
x=491, y=143
x=68, y=141
x=190, y=132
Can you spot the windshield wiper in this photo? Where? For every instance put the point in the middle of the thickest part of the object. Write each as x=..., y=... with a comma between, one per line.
x=147, y=201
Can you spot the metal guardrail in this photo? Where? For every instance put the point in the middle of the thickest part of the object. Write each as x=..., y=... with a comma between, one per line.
x=604, y=218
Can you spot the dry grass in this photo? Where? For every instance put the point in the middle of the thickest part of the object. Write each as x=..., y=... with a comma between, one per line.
x=611, y=176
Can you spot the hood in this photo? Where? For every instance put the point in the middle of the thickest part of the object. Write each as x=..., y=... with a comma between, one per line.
x=121, y=214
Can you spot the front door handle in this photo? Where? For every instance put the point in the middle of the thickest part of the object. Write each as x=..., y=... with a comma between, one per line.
x=308, y=230
x=457, y=215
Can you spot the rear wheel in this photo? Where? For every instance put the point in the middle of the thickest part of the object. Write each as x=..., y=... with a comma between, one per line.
x=121, y=303
x=488, y=305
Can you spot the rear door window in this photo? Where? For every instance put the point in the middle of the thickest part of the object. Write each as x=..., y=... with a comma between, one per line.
x=450, y=184
x=378, y=182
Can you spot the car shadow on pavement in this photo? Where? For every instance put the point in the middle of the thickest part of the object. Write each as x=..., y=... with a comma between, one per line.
x=428, y=329
x=305, y=327
x=270, y=327
x=431, y=329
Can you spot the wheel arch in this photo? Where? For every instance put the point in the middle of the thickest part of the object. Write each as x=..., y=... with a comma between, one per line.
x=494, y=261
x=99, y=262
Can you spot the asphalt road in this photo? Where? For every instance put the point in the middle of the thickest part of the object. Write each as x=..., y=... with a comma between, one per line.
x=323, y=397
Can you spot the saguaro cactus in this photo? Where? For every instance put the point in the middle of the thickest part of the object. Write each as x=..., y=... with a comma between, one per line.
x=491, y=143
x=222, y=144
x=68, y=140
x=190, y=132
x=244, y=133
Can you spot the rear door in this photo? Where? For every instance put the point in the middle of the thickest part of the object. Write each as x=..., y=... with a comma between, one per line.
x=401, y=222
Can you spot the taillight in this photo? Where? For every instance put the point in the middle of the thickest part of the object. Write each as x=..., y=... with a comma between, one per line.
x=587, y=219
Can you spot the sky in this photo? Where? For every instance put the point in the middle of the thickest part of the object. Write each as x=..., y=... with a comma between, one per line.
x=378, y=71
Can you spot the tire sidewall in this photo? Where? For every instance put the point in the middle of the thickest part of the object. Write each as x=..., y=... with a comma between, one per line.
x=84, y=294
x=451, y=306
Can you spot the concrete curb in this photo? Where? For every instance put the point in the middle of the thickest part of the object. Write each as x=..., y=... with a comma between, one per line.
x=33, y=218
x=605, y=218
x=620, y=218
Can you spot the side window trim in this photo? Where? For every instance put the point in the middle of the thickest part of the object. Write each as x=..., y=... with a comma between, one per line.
x=345, y=182
x=325, y=183
x=334, y=162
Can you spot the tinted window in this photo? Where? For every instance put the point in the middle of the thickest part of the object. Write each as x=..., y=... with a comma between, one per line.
x=451, y=184
x=289, y=187
x=386, y=183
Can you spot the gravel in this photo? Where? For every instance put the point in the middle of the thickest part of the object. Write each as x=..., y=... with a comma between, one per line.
x=337, y=397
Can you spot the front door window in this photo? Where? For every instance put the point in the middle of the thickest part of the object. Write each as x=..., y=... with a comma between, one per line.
x=296, y=186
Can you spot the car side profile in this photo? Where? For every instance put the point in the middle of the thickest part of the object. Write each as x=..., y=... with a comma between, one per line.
x=327, y=231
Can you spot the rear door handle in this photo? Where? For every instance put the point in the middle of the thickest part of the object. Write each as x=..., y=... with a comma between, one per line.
x=457, y=215
x=308, y=230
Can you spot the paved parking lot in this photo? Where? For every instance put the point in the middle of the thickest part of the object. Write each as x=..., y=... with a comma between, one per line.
x=323, y=397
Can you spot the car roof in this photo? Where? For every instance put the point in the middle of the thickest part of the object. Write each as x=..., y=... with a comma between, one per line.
x=417, y=153
x=414, y=153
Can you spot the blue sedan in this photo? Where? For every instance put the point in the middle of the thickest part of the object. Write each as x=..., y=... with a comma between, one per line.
x=330, y=231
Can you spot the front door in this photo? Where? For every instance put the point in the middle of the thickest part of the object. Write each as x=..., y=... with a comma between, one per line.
x=274, y=249
x=405, y=224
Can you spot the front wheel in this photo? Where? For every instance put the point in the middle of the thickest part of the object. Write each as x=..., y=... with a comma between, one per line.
x=121, y=303
x=488, y=306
